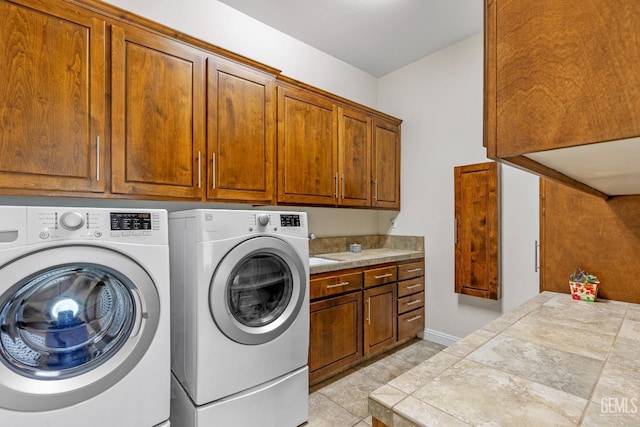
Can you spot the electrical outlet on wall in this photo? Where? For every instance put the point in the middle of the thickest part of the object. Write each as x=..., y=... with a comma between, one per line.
x=393, y=223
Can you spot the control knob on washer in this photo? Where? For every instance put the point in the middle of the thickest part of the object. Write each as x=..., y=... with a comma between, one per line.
x=263, y=220
x=71, y=220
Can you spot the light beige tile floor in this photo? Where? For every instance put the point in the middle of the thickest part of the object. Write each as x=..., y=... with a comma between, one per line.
x=342, y=401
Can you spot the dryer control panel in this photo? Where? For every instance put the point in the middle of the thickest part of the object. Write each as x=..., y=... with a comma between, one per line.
x=139, y=226
x=287, y=223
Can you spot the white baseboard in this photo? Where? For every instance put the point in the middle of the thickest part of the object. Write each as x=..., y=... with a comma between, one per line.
x=439, y=337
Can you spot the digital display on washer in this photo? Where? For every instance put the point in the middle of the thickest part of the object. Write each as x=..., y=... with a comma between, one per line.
x=289, y=220
x=131, y=221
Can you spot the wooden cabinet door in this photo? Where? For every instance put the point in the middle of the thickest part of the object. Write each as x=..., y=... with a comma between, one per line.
x=386, y=164
x=52, y=97
x=354, y=157
x=241, y=133
x=158, y=112
x=336, y=334
x=560, y=73
x=477, y=230
x=307, y=148
x=380, y=318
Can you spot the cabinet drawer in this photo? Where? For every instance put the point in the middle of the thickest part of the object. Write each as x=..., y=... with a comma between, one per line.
x=333, y=285
x=379, y=276
x=409, y=324
x=412, y=286
x=410, y=270
x=410, y=302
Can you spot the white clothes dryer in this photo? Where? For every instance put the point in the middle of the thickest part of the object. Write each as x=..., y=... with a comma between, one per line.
x=84, y=319
x=240, y=317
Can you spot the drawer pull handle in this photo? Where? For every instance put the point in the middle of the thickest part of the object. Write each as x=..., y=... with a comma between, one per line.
x=414, y=318
x=337, y=285
x=383, y=276
x=418, y=301
x=415, y=286
x=414, y=270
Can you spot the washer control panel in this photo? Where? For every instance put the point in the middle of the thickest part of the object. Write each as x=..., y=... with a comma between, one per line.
x=147, y=226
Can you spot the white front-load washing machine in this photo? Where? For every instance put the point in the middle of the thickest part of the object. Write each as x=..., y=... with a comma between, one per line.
x=240, y=318
x=84, y=318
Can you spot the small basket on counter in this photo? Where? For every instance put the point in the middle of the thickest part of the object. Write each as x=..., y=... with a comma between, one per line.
x=583, y=285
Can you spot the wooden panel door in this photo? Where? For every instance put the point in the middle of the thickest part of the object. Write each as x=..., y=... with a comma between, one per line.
x=380, y=318
x=307, y=148
x=158, y=115
x=241, y=133
x=52, y=97
x=560, y=73
x=336, y=334
x=386, y=164
x=477, y=230
x=354, y=157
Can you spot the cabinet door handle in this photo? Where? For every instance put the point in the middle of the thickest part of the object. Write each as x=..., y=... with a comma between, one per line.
x=337, y=285
x=413, y=270
x=199, y=169
x=368, y=311
x=342, y=179
x=383, y=276
x=536, y=265
x=213, y=170
x=97, y=158
x=414, y=286
x=455, y=231
x=414, y=318
x=414, y=302
x=375, y=189
x=335, y=177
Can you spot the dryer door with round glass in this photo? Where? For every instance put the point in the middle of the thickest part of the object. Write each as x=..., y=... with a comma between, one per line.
x=257, y=290
x=69, y=330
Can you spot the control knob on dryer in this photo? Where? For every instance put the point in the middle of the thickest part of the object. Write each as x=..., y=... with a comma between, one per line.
x=263, y=220
x=71, y=220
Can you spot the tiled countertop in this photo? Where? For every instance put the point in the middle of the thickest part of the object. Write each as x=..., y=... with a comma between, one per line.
x=363, y=259
x=552, y=361
x=376, y=249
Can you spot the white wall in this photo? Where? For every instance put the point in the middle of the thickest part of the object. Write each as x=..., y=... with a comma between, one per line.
x=440, y=99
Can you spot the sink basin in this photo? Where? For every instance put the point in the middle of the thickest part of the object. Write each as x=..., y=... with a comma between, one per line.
x=320, y=261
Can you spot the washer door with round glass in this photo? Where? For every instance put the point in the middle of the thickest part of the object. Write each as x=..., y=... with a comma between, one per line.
x=257, y=290
x=74, y=320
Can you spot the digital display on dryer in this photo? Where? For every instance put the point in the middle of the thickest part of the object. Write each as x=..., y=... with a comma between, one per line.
x=289, y=220
x=130, y=221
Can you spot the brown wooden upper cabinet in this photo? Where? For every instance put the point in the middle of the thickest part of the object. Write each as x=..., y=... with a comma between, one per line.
x=182, y=119
x=561, y=90
x=52, y=98
x=158, y=115
x=241, y=132
x=335, y=155
x=354, y=157
x=477, y=230
x=386, y=164
x=307, y=148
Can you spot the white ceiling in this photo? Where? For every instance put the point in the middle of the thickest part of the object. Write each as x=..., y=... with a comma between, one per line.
x=377, y=36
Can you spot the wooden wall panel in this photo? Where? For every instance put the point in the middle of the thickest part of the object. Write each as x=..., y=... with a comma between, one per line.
x=602, y=237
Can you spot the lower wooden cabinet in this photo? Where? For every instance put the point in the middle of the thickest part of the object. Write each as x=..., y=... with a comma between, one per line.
x=361, y=312
x=409, y=324
x=380, y=324
x=411, y=299
x=335, y=338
